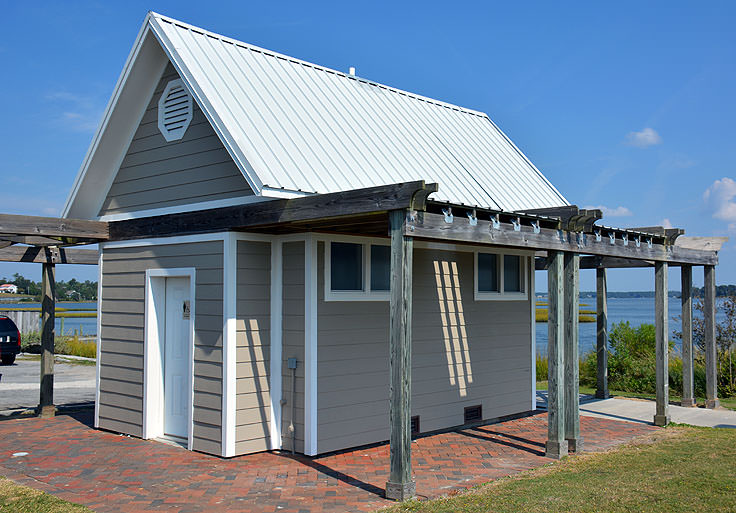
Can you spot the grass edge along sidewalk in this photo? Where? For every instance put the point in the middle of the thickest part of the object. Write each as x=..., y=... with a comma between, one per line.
x=23, y=499
x=680, y=468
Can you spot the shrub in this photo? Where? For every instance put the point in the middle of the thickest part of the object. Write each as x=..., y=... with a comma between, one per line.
x=542, y=367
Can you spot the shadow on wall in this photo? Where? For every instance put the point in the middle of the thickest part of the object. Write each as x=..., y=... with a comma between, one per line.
x=454, y=333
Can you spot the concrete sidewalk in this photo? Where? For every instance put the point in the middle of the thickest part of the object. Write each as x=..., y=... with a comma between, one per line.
x=642, y=411
x=634, y=410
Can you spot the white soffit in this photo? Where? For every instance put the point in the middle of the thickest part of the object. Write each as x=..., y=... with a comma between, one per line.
x=302, y=127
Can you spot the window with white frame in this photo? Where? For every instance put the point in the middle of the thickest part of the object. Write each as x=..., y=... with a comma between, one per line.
x=357, y=271
x=500, y=276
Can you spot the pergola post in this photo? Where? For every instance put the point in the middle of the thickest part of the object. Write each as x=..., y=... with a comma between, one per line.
x=688, y=392
x=662, y=416
x=48, y=308
x=572, y=369
x=711, y=361
x=601, y=300
x=556, y=446
x=400, y=485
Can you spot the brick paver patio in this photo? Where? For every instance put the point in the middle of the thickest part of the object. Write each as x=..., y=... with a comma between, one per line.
x=108, y=472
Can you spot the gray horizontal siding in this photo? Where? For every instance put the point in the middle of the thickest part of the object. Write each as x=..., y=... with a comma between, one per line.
x=293, y=342
x=253, y=398
x=464, y=352
x=122, y=333
x=156, y=173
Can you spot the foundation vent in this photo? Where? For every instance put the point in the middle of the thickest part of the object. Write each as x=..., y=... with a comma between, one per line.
x=473, y=414
x=415, y=425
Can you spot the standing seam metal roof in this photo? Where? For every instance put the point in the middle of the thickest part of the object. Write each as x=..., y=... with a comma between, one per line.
x=302, y=127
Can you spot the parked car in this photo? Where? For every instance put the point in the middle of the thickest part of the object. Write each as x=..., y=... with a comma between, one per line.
x=9, y=340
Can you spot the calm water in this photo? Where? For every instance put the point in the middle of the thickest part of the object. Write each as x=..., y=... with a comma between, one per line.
x=635, y=310
x=83, y=325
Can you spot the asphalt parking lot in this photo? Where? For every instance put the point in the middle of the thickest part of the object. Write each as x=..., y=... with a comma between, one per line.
x=19, y=384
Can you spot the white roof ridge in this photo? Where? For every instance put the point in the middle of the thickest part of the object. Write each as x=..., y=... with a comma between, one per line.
x=271, y=53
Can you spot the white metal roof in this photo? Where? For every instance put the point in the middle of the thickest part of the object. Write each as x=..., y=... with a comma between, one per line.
x=292, y=125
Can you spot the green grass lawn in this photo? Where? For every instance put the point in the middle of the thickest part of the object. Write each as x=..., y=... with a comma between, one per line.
x=21, y=499
x=679, y=469
x=727, y=402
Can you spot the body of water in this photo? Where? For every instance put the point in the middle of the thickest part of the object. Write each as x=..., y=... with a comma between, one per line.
x=67, y=326
x=637, y=311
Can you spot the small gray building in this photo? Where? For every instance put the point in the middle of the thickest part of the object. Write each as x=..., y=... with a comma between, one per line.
x=246, y=290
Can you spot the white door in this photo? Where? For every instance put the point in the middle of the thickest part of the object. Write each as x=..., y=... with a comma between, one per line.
x=176, y=358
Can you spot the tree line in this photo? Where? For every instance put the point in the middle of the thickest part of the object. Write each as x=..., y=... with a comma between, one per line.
x=71, y=290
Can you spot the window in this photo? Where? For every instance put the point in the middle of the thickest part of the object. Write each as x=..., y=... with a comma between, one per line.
x=357, y=271
x=500, y=276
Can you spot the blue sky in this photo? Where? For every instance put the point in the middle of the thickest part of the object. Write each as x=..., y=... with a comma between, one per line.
x=624, y=106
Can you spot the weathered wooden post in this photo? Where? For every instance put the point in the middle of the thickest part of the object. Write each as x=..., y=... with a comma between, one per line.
x=572, y=370
x=662, y=415
x=400, y=485
x=601, y=300
x=556, y=446
x=686, y=278
x=48, y=309
x=711, y=358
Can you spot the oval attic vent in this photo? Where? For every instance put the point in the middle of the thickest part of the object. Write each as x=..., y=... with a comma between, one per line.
x=174, y=110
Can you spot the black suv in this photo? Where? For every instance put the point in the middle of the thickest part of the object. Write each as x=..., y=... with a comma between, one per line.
x=9, y=340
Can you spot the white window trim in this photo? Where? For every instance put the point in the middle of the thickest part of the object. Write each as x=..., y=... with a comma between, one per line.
x=501, y=295
x=354, y=295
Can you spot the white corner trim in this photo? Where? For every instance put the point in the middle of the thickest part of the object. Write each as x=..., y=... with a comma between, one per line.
x=153, y=389
x=99, y=340
x=533, y=308
x=229, y=343
x=310, y=345
x=191, y=207
x=275, y=384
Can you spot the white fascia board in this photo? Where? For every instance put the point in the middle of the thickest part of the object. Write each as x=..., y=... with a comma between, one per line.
x=230, y=143
x=190, y=207
x=272, y=192
x=109, y=146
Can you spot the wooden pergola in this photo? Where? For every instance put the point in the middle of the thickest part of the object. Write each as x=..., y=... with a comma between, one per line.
x=45, y=241
x=565, y=240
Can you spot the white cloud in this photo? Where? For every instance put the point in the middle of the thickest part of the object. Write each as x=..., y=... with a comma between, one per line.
x=666, y=223
x=78, y=113
x=613, y=212
x=721, y=199
x=644, y=138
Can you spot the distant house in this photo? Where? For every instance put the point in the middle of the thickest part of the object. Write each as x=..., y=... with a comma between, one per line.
x=8, y=288
x=277, y=240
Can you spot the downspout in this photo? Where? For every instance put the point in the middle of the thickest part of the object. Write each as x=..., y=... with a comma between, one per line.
x=292, y=365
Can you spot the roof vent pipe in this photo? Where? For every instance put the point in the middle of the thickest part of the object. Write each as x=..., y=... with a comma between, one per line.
x=352, y=71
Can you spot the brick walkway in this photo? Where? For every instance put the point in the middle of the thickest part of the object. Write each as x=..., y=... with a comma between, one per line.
x=108, y=472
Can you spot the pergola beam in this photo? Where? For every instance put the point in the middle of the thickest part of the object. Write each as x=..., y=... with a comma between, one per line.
x=434, y=226
x=53, y=227
x=279, y=213
x=48, y=255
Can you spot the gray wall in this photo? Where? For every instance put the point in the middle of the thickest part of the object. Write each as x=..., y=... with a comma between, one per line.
x=122, y=335
x=293, y=341
x=464, y=353
x=253, y=403
x=156, y=173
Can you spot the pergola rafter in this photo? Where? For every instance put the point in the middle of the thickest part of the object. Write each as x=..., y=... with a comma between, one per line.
x=564, y=239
